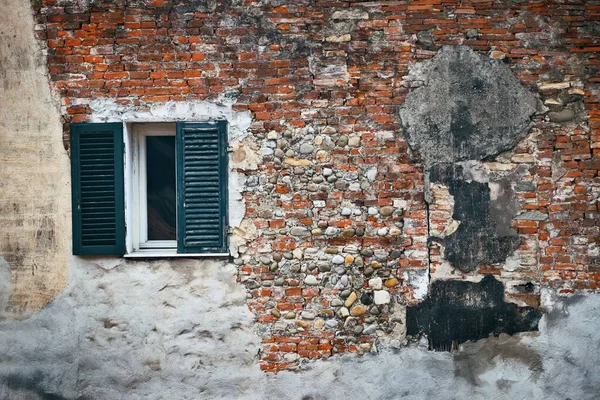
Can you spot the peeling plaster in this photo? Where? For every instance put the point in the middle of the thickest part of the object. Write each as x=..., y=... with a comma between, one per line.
x=419, y=281
x=454, y=118
x=202, y=346
x=107, y=110
x=34, y=172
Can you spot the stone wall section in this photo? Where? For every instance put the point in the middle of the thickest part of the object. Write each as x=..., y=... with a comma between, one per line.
x=337, y=227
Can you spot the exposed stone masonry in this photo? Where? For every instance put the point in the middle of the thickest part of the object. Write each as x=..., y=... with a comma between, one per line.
x=335, y=238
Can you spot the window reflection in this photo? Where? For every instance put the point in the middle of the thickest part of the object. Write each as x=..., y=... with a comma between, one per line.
x=161, y=187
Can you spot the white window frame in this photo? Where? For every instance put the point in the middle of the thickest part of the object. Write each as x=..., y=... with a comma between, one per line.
x=140, y=192
x=137, y=244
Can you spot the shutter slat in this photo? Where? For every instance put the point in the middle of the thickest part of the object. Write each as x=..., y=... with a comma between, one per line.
x=202, y=174
x=96, y=220
x=200, y=206
x=203, y=161
x=202, y=179
x=194, y=196
x=98, y=168
x=205, y=220
x=92, y=194
x=191, y=209
x=98, y=201
x=99, y=154
x=100, y=226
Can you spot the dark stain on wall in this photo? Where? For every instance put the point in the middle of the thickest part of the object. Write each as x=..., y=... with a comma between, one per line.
x=459, y=115
x=478, y=239
x=457, y=311
x=31, y=384
x=473, y=363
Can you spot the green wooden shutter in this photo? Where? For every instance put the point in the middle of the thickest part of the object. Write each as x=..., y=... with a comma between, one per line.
x=97, y=189
x=202, y=187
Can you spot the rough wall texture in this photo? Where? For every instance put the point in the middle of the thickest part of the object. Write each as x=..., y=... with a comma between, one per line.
x=113, y=334
x=344, y=226
x=135, y=330
x=34, y=175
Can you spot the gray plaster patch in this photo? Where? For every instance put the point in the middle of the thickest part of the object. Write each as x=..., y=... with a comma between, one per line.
x=525, y=186
x=469, y=107
x=531, y=216
x=558, y=166
x=523, y=366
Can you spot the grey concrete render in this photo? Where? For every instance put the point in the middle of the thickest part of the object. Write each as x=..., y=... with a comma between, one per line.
x=167, y=331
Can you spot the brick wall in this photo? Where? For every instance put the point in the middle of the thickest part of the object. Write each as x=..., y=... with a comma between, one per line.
x=337, y=201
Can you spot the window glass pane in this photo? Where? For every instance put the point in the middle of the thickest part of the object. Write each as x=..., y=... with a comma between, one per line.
x=162, y=204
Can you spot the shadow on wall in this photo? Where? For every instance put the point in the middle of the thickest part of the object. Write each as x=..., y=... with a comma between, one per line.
x=30, y=387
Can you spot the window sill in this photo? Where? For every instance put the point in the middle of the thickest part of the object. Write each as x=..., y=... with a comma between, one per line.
x=170, y=253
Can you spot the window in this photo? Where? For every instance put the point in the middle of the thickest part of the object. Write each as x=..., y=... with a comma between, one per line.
x=153, y=187
x=168, y=199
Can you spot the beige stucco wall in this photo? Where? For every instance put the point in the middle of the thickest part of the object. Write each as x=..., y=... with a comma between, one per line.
x=34, y=173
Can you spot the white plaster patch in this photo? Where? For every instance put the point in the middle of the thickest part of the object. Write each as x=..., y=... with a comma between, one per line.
x=512, y=263
x=237, y=204
x=443, y=269
x=246, y=231
x=245, y=155
x=419, y=280
x=107, y=110
x=450, y=229
x=350, y=14
x=384, y=136
x=495, y=190
x=400, y=204
x=474, y=171
x=549, y=300
x=328, y=72
x=371, y=173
